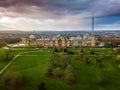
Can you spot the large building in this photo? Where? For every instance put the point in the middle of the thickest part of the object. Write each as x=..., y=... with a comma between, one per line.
x=60, y=40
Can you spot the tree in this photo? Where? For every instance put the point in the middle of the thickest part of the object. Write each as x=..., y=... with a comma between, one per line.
x=41, y=86
x=63, y=61
x=56, y=50
x=81, y=56
x=82, y=50
x=117, y=49
x=58, y=73
x=7, y=56
x=70, y=53
x=2, y=43
x=118, y=57
x=69, y=69
x=65, y=50
x=87, y=60
x=99, y=62
x=11, y=80
x=70, y=79
x=92, y=52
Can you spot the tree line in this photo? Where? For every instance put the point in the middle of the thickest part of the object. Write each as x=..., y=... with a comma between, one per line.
x=8, y=40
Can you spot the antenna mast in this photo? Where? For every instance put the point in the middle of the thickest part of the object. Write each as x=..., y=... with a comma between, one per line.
x=92, y=25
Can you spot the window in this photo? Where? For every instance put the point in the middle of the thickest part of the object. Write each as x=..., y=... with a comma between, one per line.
x=60, y=41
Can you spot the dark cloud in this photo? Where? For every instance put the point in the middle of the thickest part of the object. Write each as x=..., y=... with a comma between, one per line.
x=9, y=3
x=62, y=7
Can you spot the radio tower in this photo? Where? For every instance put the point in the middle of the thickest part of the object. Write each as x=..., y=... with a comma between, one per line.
x=93, y=41
x=92, y=34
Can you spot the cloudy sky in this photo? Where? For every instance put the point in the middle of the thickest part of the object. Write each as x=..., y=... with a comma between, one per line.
x=59, y=14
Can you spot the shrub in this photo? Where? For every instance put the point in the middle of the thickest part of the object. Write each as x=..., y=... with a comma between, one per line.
x=118, y=57
x=41, y=86
x=82, y=51
x=81, y=57
x=11, y=80
x=87, y=60
x=71, y=53
x=58, y=73
x=68, y=69
x=63, y=61
x=7, y=56
x=65, y=50
x=117, y=49
x=56, y=50
x=70, y=79
x=78, y=58
x=99, y=61
x=92, y=52
x=59, y=49
x=2, y=43
x=59, y=60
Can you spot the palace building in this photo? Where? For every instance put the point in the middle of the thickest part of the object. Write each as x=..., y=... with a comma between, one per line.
x=60, y=40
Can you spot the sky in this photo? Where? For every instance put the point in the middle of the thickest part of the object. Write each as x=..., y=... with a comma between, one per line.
x=59, y=15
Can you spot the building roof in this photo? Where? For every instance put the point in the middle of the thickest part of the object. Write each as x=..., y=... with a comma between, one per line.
x=58, y=35
x=75, y=38
x=32, y=36
x=43, y=39
x=86, y=37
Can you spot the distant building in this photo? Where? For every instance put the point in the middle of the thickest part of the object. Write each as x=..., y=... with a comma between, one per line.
x=60, y=40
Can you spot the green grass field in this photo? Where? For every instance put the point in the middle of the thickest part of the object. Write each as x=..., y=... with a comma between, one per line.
x=88, y=77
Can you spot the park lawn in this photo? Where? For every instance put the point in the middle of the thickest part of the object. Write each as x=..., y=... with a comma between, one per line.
x=32, y=69
x=39, y=52
x=91, y=77
x=31, y=52
x=88, y=77
x=15, y=52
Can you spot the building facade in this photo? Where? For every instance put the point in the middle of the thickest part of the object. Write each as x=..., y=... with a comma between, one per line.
x=60, y=40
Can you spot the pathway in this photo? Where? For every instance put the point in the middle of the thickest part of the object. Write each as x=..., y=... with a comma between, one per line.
x=12, y=61
x=9, y=64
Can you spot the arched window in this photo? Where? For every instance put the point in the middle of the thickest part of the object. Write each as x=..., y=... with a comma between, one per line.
x=60, y=41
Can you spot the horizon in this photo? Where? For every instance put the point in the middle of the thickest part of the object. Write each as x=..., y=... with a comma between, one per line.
x=59, y=30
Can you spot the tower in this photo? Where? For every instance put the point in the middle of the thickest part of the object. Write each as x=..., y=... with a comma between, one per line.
x=27, y=41
x=92, y=33
x=93, y=41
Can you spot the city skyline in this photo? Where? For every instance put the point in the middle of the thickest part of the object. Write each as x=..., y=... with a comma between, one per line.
x=63, y=15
